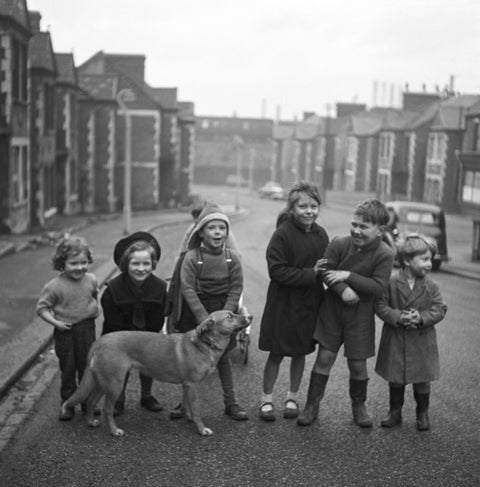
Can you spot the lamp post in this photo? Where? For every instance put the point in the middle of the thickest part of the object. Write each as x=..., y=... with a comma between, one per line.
x=238, y=143
x=127, y=95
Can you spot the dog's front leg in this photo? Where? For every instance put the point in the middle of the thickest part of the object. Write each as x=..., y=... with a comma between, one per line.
x=192, y=408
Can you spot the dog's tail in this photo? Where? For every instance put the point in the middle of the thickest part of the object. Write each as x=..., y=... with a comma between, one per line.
x=87, y=386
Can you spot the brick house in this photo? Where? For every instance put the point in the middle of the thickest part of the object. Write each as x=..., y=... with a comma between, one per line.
x=14, y=124
x=282, y=152
x=67, y=132
x=445, y=138
x=144, y=113
x=97, y=150
x=43, y=74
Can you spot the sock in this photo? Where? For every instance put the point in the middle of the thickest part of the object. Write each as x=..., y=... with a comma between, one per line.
x=266, y=398
x=291, y=396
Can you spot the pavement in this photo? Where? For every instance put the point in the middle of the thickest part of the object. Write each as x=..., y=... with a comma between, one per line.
x=27, y=360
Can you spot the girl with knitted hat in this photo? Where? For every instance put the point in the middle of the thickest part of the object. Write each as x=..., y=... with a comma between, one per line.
x=211, y=279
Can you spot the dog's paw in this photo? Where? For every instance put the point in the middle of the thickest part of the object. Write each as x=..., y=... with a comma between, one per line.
x=94, y=423
x=205, y=431
x=118, y=432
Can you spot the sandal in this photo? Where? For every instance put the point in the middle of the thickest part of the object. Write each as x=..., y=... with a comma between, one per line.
x=290, y=412
x=267, y=415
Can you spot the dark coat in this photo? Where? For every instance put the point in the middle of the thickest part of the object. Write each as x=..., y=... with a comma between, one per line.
x=409, y=356
x=295, y=290
x=121, y=301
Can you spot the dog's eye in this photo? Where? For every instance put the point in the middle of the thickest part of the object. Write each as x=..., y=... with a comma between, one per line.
x=230, y=314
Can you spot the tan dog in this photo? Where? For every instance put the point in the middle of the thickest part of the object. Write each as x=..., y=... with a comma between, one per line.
x=179, y=358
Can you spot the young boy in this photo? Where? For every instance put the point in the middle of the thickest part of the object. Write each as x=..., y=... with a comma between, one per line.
x=408, y=352
x=211, y=279
x=357, y=272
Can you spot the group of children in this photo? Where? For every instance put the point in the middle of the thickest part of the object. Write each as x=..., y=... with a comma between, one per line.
x=322, y=294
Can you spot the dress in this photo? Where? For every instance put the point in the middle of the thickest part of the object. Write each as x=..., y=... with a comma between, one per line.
x=409, y=356
x=295, y=290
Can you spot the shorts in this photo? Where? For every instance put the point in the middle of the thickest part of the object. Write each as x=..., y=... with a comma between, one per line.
x=352, y=326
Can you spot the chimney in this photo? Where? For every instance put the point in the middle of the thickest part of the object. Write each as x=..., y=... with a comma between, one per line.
x=35, y=18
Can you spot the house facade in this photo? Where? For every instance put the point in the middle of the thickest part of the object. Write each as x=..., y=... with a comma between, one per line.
x=15, y=192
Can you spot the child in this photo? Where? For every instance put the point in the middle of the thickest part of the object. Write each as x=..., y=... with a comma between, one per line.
x=211, y=279
x=358, y=270
x=136, y=300
x=294, y=257
x=69, y=303
x=408, y=352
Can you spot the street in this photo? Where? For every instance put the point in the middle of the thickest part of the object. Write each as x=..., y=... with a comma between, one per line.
x=332, y=452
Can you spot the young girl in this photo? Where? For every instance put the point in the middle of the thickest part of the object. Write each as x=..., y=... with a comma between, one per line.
x=211, y=279
x=294, y=257
x=136, y=300
x=69, y=303
x=408, y=352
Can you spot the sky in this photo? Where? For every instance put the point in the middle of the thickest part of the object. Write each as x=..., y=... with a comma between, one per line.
x=279, y=58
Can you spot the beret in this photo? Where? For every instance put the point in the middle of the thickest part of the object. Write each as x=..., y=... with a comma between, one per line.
x=125, y=242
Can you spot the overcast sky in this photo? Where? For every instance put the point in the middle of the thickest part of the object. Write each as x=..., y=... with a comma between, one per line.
x=251, y=56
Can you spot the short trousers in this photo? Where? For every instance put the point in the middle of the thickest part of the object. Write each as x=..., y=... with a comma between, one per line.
x=352, y=326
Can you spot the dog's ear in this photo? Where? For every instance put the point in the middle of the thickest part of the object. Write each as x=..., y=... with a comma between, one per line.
x=205, y=325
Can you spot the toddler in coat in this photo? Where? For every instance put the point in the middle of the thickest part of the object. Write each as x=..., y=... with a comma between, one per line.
x=408, y=351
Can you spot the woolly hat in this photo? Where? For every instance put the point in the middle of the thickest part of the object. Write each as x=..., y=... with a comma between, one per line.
x=125, y=242
x=211, y=211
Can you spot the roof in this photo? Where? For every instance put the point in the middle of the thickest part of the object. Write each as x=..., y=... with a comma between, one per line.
x=67, y=72
x=17, y=11
x=282, y=131
x=166, y=97
x=41, y=52
x=366, y=123
x=99, y=86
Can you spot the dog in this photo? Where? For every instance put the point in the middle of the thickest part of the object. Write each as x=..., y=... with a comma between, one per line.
x=178, y=358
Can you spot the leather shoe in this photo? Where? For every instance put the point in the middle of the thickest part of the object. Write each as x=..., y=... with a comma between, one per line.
x=66, y=415
x=236, y=412
x=267, y=415
x=290, y=413
x=151, y=404
x=178, y=412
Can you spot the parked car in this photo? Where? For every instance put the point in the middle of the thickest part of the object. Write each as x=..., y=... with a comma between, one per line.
x=424, y=218
x=272, y=190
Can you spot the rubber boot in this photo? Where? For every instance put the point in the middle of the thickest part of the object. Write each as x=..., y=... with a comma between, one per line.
x=423, y=401
x=358, y=395
x=396, y=402
x=316, y=389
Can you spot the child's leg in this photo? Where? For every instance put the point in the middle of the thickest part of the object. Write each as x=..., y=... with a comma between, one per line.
x=397, y=392
x=297, y=366
x=316, y=388
x=270, y=375
x=232, y=409
x=358, y=391
x=66, y=359
x=421, y=393
x=83, y=338
x=147, y=400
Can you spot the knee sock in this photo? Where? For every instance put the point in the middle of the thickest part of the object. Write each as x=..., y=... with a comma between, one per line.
x=291, y=396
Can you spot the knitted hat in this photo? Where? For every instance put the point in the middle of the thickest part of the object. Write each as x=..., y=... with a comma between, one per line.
x=211, y=211
x=125, y=242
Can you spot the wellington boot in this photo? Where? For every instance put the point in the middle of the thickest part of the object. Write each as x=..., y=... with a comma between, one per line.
x=358, y=394
x=423, y=401
x=316, y=390
x=394, y=417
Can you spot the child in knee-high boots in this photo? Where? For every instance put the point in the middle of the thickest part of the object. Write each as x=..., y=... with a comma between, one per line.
x=408, y=352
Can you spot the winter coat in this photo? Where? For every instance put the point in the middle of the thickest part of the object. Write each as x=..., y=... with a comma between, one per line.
x=409, y=355
x=295, y=290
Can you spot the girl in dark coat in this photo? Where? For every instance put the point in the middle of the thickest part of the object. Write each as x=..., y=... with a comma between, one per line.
x=136, y=300
x=294, y=258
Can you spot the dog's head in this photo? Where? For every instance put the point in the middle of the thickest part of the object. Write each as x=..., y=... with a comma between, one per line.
x=219, y=325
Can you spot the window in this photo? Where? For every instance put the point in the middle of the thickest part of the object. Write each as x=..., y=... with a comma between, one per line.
x=476, y=135
x=19, y=71
x=19, y=173
x=471, y=187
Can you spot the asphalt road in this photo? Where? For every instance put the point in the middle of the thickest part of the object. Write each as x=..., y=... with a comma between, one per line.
x=332, y=452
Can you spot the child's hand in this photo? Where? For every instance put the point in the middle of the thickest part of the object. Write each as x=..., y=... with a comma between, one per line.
x=334, y=277
x=63, y=326
x=349, y=296
x=408, y=319
x=320, y=265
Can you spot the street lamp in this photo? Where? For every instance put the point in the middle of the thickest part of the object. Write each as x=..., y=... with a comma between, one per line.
x=127, y=95
x=238, y=143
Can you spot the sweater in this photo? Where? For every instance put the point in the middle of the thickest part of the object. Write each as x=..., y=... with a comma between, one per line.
x=70, y=300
